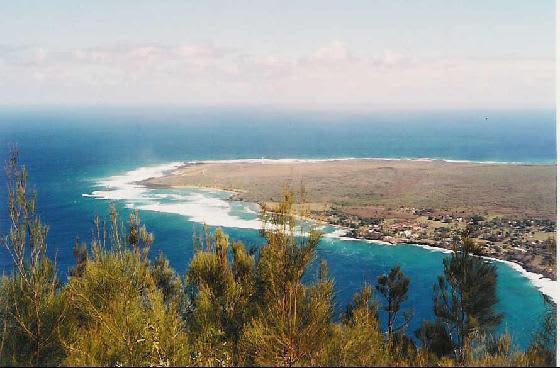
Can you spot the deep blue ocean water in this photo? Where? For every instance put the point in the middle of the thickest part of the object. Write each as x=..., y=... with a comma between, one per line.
x=69, y=150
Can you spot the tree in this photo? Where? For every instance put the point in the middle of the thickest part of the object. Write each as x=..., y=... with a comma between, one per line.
x=220, y=299
x=118, y=312
x=360, y=340
x=166, y=280
x=81, y=256
x=435, y=338
x=465, y=298
x=393, y=287
x=293, y=319
x=543, y=347
x=32, y=311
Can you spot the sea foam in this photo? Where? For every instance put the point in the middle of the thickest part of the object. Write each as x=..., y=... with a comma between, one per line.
x=203, y=209
x=198, y=205
x=125, y=187
x=311, y=160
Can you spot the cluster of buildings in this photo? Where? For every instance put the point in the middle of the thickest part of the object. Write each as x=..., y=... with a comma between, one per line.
x=530, y=242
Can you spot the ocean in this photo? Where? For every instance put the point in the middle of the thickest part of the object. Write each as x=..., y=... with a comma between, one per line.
x=82, y=159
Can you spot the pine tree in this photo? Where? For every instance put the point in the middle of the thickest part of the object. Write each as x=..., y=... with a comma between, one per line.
x=465, y=298
x=33, y=313
x=393, y=287
x=220, y=292
x=360, y=341
x=117, y=313
x=166, y=280
x=293, y=320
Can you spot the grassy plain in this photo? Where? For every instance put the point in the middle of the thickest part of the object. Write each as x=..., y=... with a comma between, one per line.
x=381, y=188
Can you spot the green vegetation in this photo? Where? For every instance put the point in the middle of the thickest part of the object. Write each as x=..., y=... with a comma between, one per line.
x=394, y=289
x=234, y=307
x=465, y=300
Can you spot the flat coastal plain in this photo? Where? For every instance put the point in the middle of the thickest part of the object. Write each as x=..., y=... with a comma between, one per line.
x=379, y=188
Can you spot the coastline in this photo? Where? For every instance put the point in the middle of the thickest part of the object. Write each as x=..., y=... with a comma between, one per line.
x=170, y=169
x=545, y=285
x=139, y=180
x=335, y=159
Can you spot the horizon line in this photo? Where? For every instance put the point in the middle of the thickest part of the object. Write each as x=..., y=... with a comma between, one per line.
x=278, y=107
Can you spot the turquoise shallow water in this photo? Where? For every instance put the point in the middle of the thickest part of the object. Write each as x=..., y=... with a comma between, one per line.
x=68, y=151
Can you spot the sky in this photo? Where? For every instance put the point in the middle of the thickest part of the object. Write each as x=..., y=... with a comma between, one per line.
x=365, y=54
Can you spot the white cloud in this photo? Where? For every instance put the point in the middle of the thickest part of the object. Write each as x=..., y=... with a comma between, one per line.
x=206, y=74
x=336, y=51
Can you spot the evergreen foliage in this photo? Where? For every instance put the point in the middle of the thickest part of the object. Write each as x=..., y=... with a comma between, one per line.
x=31, y=305
x=464, y=302
x=291, y=319
x=393, y=287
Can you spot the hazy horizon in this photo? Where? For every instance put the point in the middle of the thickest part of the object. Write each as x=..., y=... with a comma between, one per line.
x=365, y=55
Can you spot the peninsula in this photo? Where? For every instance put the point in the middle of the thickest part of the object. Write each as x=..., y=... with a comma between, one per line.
x=510, y=209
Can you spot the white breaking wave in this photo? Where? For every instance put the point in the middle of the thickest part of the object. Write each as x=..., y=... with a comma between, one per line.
x=125, y=187
x=204, y=210
x=311, y=160
x=198, y=205
x=546, y=286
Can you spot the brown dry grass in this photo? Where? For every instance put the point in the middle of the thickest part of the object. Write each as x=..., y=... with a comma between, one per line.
x=375, y=187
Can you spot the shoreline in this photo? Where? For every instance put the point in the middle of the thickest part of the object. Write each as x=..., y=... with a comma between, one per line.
x=546, y=286
x=335, y=159
x=140, y=178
